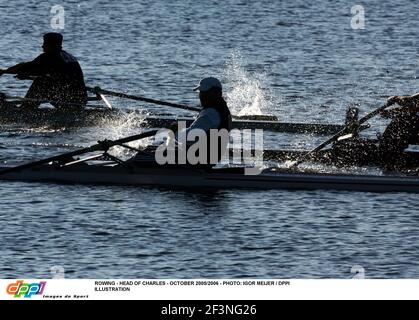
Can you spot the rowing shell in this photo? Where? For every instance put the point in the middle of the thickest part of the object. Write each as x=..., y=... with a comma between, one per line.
x=91, y=116
x=187, y=178
x=274, y=126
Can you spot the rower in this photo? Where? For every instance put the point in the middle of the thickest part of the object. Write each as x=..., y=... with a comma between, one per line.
x=402, y=131
x=389, y=149
x=213, y=115
x=58, y=76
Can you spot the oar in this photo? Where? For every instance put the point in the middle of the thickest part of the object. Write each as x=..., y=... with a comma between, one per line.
x=308, y=155
x=100, y=92
x=100, y=146
x=97, y=90
x=105, y=100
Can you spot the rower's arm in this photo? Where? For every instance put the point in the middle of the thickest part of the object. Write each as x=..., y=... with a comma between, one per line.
x=31, y=68
x=405, y=102
x=206, y=120
x=410, y=102
x=19, y=68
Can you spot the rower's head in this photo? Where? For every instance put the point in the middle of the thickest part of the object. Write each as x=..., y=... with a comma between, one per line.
x=52, y=42
x=210, y=91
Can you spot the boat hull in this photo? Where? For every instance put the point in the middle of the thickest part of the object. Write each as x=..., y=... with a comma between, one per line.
x=187, y=178
x=55, y=117
x=96, y=116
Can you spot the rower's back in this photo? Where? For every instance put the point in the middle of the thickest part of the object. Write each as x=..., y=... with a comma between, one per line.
x=64, y=77
x=223, y=125
x=399, y=134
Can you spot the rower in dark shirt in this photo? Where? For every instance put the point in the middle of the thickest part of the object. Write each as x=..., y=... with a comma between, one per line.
x=401, y=132
x=389, y=149
x=58, y=76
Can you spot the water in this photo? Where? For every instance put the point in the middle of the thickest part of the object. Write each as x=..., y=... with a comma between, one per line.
x=300, y=61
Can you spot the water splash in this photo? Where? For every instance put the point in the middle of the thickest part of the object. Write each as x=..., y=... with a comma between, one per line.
x=129, y=124
x=246, y=95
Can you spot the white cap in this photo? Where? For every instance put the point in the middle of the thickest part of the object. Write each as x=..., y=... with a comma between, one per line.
x=207, y=84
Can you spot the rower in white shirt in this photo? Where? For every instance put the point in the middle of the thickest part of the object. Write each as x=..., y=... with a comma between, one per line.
x=214, y=115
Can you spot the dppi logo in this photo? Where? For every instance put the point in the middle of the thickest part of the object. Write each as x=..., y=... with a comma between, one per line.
x=27, y=290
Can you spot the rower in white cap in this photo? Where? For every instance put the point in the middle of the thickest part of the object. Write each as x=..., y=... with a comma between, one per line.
x=214, y=115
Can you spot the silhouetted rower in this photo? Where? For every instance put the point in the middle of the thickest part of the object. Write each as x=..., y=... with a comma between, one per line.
x=58, y=76
x=402, y=131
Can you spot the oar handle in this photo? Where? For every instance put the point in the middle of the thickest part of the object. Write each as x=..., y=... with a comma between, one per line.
x=97, y=90
x=376, y=112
